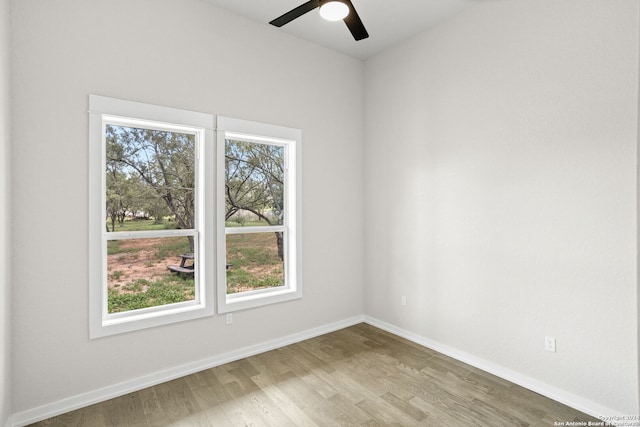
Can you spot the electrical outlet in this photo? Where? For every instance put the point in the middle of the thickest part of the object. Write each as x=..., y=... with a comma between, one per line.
x=229, y=318
x=550, y=344
x=403, y=300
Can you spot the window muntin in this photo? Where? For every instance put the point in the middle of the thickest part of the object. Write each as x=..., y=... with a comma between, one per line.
x=258, y=201
x=148, y=216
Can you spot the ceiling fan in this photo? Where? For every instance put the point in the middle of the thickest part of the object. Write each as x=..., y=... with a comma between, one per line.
x=332, y=10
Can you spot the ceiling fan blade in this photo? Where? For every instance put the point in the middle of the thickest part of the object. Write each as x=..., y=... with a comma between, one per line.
x=295, y=13
x=354, y=23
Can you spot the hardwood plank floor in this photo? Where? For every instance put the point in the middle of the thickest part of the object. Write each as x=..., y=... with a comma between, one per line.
x=358, y=376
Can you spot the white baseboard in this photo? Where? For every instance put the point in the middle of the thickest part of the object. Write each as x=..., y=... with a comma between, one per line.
x=576, y=402
x=79, y=401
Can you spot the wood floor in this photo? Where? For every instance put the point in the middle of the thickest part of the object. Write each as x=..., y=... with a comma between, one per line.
x=359, y=376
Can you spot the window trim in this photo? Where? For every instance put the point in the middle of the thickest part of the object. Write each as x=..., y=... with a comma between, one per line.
x=102, y=109
x=290, y=138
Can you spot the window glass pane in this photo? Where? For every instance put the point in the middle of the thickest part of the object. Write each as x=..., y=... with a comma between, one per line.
x=254, y=261
x=254, y=183
x=149, y=176
x=149, y=272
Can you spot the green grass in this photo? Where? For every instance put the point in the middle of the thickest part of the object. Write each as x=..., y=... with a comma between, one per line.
x=116, y=275
x=254, y=262
x=171, y=246
x=238, y=278
x=144, y=293
x=114, y=247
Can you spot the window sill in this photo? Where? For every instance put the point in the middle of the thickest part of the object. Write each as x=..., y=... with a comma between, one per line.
x=252, y=299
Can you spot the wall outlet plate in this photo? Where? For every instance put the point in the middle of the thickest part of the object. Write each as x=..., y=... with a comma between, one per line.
x=229, y=318
x=550, y=344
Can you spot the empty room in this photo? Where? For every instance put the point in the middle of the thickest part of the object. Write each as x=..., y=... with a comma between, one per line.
x=318, y=213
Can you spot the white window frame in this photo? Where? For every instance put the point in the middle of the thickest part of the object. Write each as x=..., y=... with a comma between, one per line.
x=104, y=111
x=290, y=139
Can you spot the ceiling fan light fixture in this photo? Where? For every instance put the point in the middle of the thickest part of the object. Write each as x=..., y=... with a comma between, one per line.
x=334, y=11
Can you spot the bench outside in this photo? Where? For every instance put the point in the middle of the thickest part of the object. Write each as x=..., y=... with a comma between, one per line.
x=182, y=270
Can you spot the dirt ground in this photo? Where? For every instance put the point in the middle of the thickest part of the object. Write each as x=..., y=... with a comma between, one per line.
x=138, y=262
x=137, y=259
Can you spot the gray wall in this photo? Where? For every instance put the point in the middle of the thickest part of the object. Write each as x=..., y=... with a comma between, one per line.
x=500, y=163
x=187, y=55
x=5, y=274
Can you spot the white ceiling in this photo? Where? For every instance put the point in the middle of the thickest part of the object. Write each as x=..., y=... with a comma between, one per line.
x=387, y=21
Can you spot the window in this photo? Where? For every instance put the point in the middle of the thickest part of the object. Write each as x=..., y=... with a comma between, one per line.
x=258, y=197
x=157, y=189
x=150, y=234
